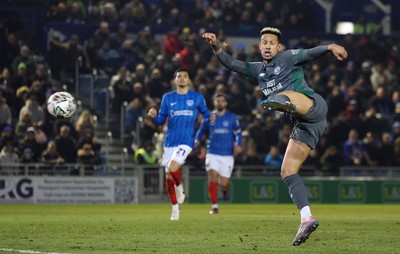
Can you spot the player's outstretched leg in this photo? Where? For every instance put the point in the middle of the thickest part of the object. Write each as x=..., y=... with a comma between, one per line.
x=279, y=102
x=305, y=230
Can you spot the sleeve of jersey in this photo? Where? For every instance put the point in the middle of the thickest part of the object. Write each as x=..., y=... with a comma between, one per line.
x=203, y=108
x=301, y=56
x=238, y=66
x=202, y=130
x=163, y=113
x=237, y=131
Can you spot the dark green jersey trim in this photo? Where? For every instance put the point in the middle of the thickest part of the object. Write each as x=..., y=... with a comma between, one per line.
x=248, y=70
x=300, y=56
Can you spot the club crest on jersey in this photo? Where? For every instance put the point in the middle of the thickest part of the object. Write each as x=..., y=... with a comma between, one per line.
x=295, y=51
x=225, y=123
x=277, y=70
x=189, y=103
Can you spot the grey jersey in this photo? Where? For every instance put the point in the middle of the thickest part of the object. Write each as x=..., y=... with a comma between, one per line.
x=284, y=72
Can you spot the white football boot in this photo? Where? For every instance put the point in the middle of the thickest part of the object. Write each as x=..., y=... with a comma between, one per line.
x=175, y=212
x=180, y=194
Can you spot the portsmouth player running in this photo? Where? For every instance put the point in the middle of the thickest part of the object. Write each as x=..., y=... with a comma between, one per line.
x=224, y=140
x=181, y=107
x=282, y=81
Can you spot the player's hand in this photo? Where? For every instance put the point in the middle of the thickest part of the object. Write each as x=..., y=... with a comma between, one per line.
x=237, y=150
x=196, y=143
x=338, y=51
x=213, y=117
x=152, y=112
x=210, y=37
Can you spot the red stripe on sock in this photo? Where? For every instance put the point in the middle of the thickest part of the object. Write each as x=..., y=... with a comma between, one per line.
x=176, y=176
x=213, y=192
x=170, y=185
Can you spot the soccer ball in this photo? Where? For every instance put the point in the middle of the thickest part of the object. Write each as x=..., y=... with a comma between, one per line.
x=61, y=105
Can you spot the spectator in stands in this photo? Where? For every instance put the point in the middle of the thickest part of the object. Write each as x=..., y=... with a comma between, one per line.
x=146, y=154
x=84, y=124
x=397, y=151
x=7, y=135
x=76, y=12
x=34, y=108
x=29, y=141
x=66, y=144
x=12, y=48
x=144, y=41
x=24, y=58
x=109, y=58
x=5, y=113
x=139, y=74
x=382, y=102
x=121, y=88
x=27, y=156
x=40, y=75
x=354, y=153
x=156, y=86
x=133, y=112
x=273, y=157
x=128, y=54
x=386, y=150
x=331, y=160
x=50, y=155
x=108, y=12
x=87, y=156
x=172, y=44
x=22, y=125
x=21, y=77
x=73, y=53
x=8, y=154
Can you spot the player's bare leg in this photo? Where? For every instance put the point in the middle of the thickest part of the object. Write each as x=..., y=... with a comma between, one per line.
x=213, y=190
x=296, y=153
x=224, y=183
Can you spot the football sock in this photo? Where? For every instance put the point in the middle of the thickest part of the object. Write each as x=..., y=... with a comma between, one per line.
x=214, y=206
x=297, y=190
x=213, y=192
x=305, y=213
x=176, y=175
x=170, y=184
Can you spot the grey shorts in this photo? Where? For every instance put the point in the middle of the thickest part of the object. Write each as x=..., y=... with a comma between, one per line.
x=310, y=128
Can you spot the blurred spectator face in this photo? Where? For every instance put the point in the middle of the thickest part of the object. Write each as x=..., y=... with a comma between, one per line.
x=51, y=147
x=24, y=51
x=12, y=39
x=64, y=131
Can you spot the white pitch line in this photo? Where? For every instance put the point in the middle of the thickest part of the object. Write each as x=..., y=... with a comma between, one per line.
x=30, y=251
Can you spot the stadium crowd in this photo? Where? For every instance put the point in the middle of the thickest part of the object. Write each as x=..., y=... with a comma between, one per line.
x=363, y=93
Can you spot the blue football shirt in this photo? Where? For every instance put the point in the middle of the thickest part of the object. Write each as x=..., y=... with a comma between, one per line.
x=222, y=134
x=182, y=111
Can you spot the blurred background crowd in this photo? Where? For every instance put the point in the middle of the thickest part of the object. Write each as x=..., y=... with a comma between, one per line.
x=125, y=45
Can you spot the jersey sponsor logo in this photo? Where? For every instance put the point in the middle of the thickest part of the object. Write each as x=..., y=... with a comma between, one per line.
x=221, y=131
x=173, y=103
x=277, y=70
x=268, y=90
x=189, y=103
x=225, y=123
x=181, y=113
x=295, y=51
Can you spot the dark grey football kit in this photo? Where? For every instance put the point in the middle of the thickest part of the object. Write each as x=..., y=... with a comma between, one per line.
x=284, y=72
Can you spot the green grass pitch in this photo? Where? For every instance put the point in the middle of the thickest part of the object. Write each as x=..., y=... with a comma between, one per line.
x=242, y=228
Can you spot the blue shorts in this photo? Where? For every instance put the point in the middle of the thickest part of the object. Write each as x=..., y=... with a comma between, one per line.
x=311, y=127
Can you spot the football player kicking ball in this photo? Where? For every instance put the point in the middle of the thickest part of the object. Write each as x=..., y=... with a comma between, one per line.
x=181, y=107
x=224, y=140
x=281, y=78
